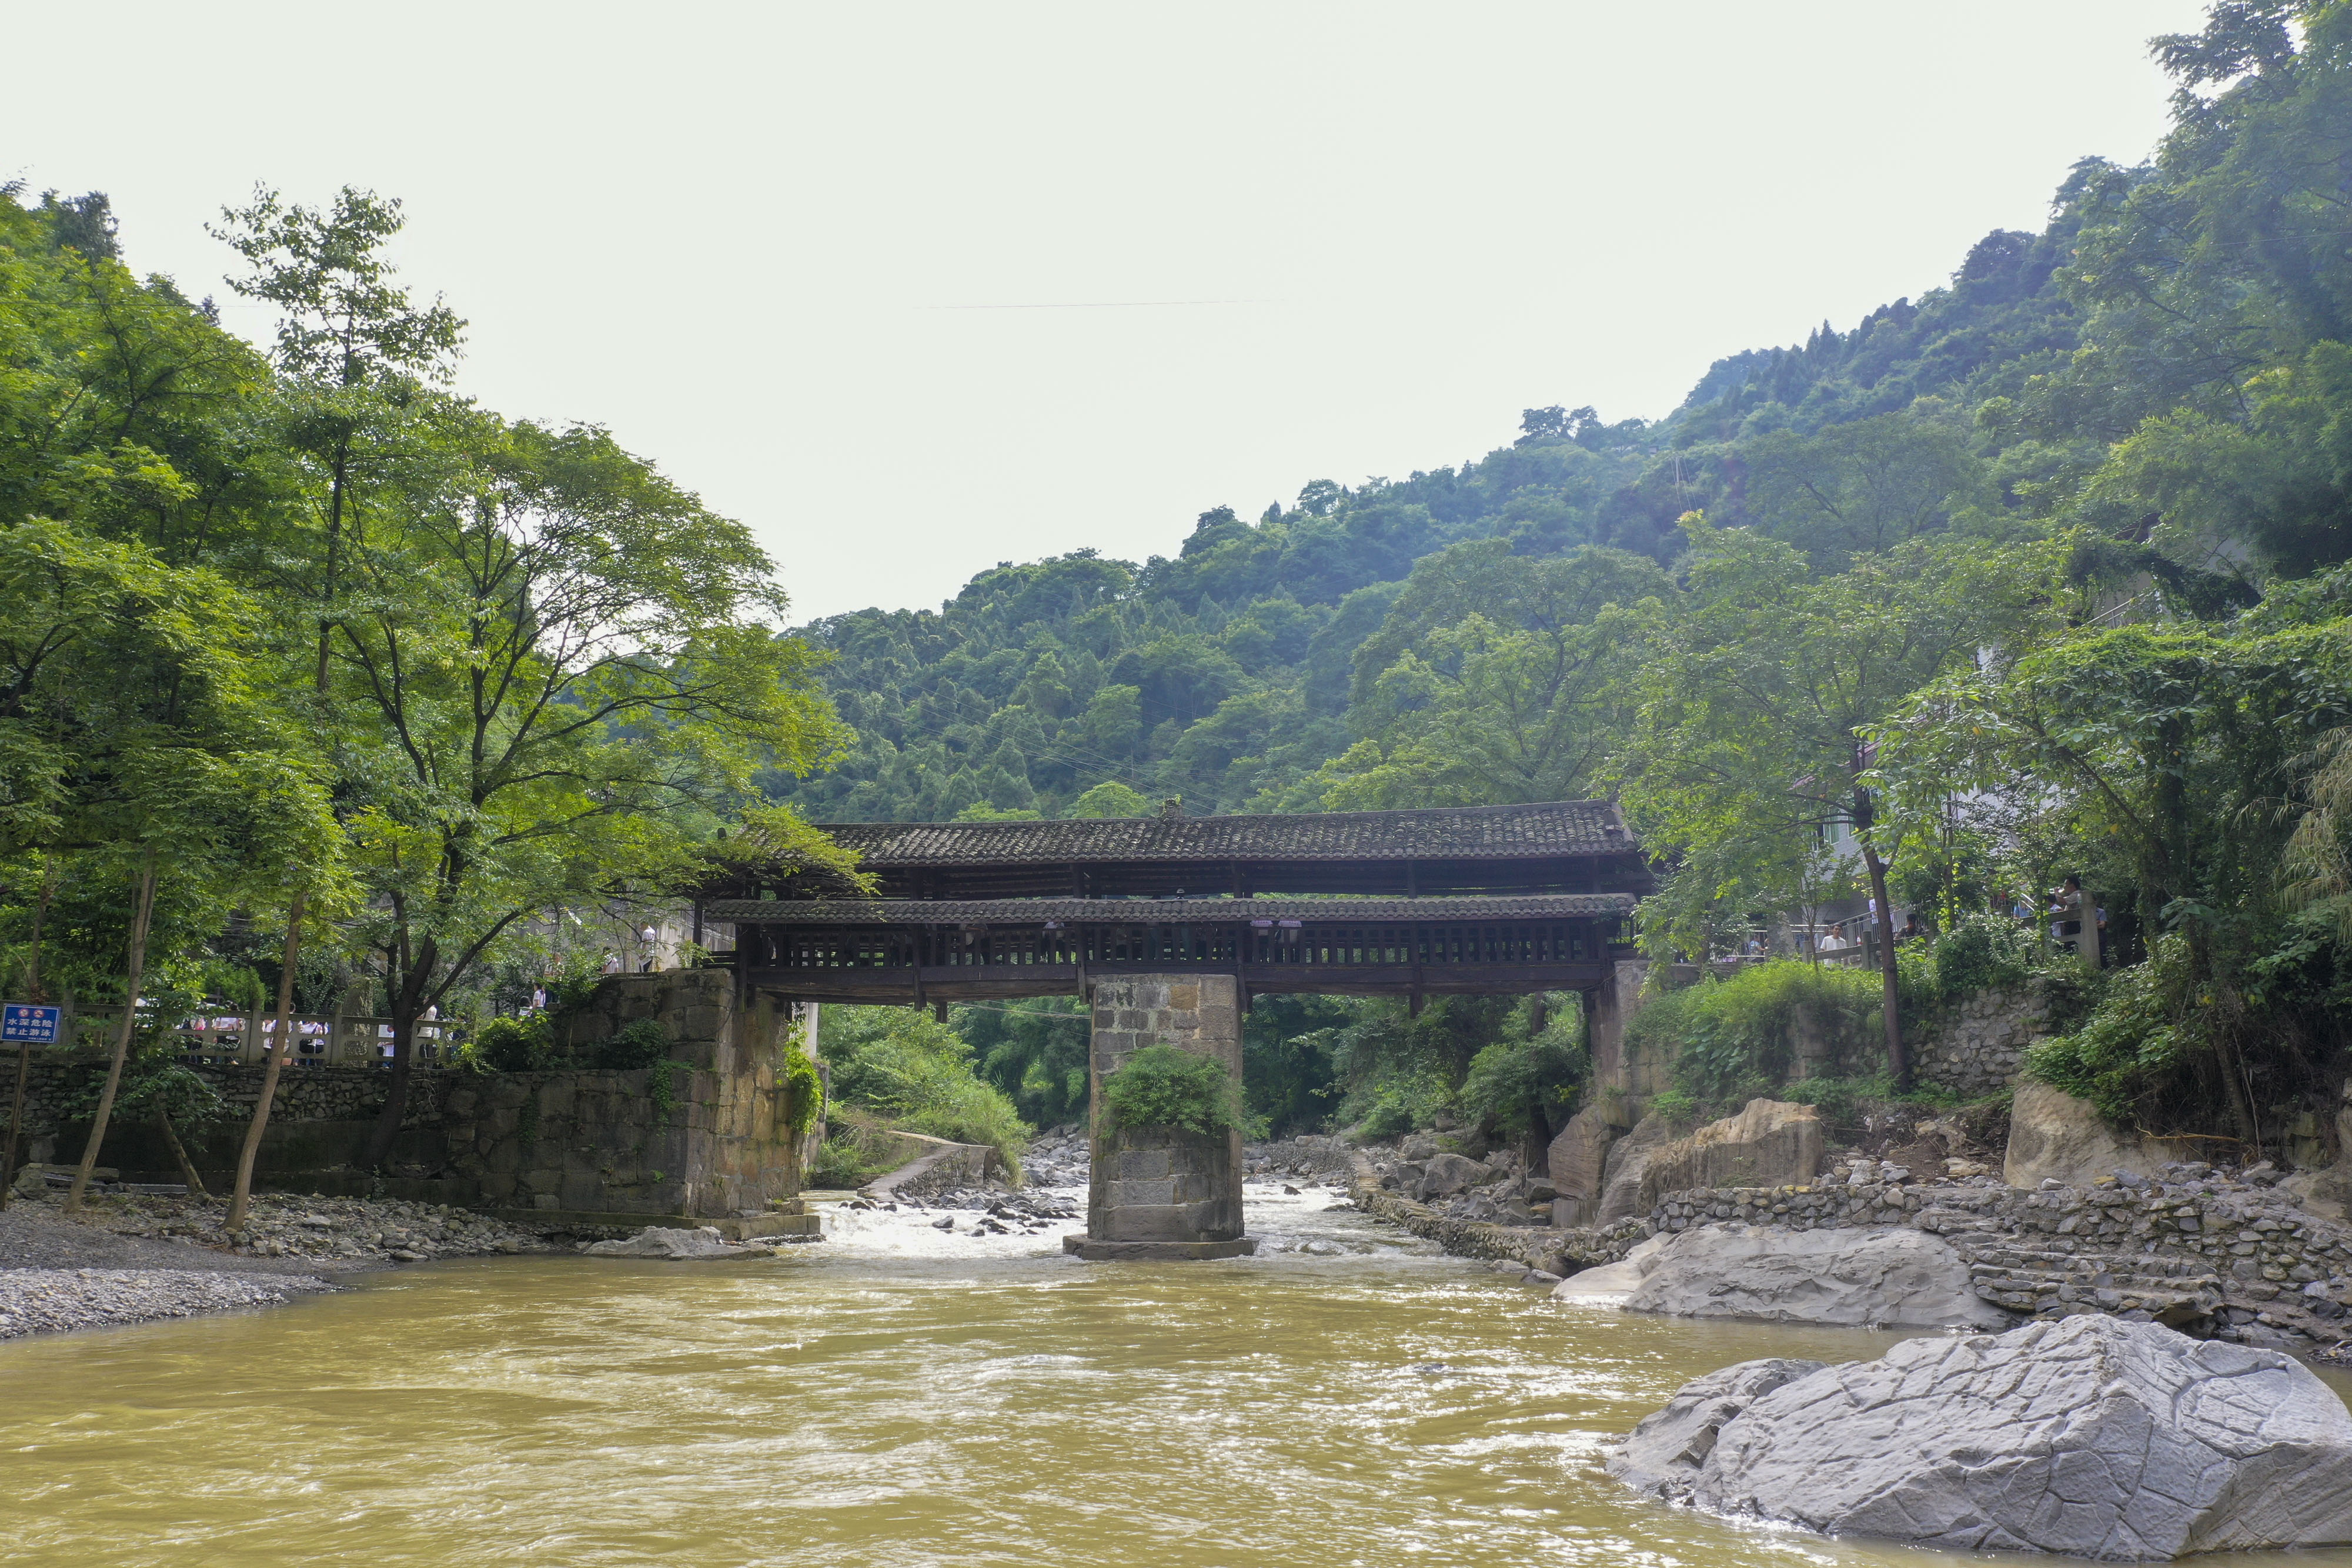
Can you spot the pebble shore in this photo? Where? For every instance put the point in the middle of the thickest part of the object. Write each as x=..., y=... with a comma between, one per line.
x=47, y=1300
x=137, y=1257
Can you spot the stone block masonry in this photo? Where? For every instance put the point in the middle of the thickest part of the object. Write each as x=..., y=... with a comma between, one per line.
x=1976, y=1046
x=714, y=1145
x=2234, y=1262
x=2228, y=1260
x=1162, y=1192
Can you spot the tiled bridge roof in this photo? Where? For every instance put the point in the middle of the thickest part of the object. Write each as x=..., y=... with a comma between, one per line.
x=1552, y=829
x=1165, y=911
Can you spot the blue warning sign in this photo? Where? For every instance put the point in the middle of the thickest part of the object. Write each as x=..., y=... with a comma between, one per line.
x=19, y=1020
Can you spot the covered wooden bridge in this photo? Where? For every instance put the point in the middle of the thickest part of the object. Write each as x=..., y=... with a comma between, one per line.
x=1475, y=900
x=1169, y=925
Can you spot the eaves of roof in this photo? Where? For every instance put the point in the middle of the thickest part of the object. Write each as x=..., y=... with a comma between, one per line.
x=1167, y=911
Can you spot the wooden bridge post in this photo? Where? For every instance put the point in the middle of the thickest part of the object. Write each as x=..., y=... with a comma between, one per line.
x=1163, y=1193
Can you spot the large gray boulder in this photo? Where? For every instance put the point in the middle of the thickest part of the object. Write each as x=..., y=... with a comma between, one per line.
x=1608, y=1284
x=1667, y=1452
x=1628, y=1160
x=2052, y=1137
x=674, y=1245
x=1885, y=1275
x=1446, y=1174
x=2123, y=1442
x=1770, y=1142
x=1576, y=1159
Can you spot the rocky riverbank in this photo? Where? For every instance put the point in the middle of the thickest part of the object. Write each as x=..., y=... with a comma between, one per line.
x=2218, y=1254
x=337, y=1232
x=132, y=1257
x=49, y=1300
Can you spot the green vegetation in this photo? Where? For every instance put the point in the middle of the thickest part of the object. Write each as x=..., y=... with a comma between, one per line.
x=858, y=1148
x=1500, y=1066
x=803, y=1089
x=1734, y=1038
x=1035, y=1052
x=2046, y=572
x=1985, y=953
x=511, y=1045
x=306, y=622
x=631, y=1046
x=903, y=1070
x=661, y=1088
x=1525, y=1082
x=1165, y=1086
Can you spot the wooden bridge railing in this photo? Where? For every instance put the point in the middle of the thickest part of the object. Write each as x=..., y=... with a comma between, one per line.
x=1182, y=944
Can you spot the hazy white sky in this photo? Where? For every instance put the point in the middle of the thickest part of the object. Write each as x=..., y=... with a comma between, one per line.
x=916, y=288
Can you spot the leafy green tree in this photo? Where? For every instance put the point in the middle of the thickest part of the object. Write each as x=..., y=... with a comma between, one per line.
x=1760, y=694
x=1111, y=798
x=355, y=354
x=1494, y=679
x=2272, y=480
x=1524, y=1084
x=554, y=668
x=1863, y=487
x=1035, y=1052
x=2169, y=744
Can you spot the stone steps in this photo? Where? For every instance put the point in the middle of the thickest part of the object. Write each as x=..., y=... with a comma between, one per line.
x=2177, y=1291
x=2053, y=1282
x=2154, y=1267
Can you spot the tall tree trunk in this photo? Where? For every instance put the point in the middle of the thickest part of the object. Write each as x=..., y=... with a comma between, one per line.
x=25, y=1048
x=2218, y=1021
x=334, y=553
x=139, y=922
x=1865, y=817
x=1898, y=1061
x=407, y=1003
x=179, y=1152
x=274, y=1052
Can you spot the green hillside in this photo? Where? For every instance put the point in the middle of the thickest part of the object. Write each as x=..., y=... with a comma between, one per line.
x=1234, y=674
x=2038, y=575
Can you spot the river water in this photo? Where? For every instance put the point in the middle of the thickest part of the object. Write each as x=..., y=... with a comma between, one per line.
x=895, y=1396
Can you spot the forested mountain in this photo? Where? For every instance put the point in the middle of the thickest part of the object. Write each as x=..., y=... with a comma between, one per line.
x=1234, y=674
x=2039, y=575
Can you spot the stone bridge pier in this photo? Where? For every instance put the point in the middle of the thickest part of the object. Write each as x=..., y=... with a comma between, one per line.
x=1162, y=1193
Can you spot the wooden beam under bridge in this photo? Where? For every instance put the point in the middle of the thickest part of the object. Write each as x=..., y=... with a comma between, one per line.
x=953, y=983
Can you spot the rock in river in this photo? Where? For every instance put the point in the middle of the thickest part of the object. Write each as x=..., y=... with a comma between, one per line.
x=1667, y=1452
x=2124, y=1442
x=1887, y=1276
x=661, y=1241
x=1446, y=1174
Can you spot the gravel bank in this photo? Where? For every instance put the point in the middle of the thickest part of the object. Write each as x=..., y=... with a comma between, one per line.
x=46, y=1300
x=35, y=1236
x=134, y=1258
x=311, y=1233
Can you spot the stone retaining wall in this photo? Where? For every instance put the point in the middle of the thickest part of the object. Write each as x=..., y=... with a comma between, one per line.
x=2235, y=1255
x=318, y=1120
x=1977, y=1044
x=704, y=1136
x=1553, y=1252
x=312, y=1094
x=2231, y=1259
x=929, y=1164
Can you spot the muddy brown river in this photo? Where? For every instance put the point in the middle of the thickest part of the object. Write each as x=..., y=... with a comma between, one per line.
x=893, y=1397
